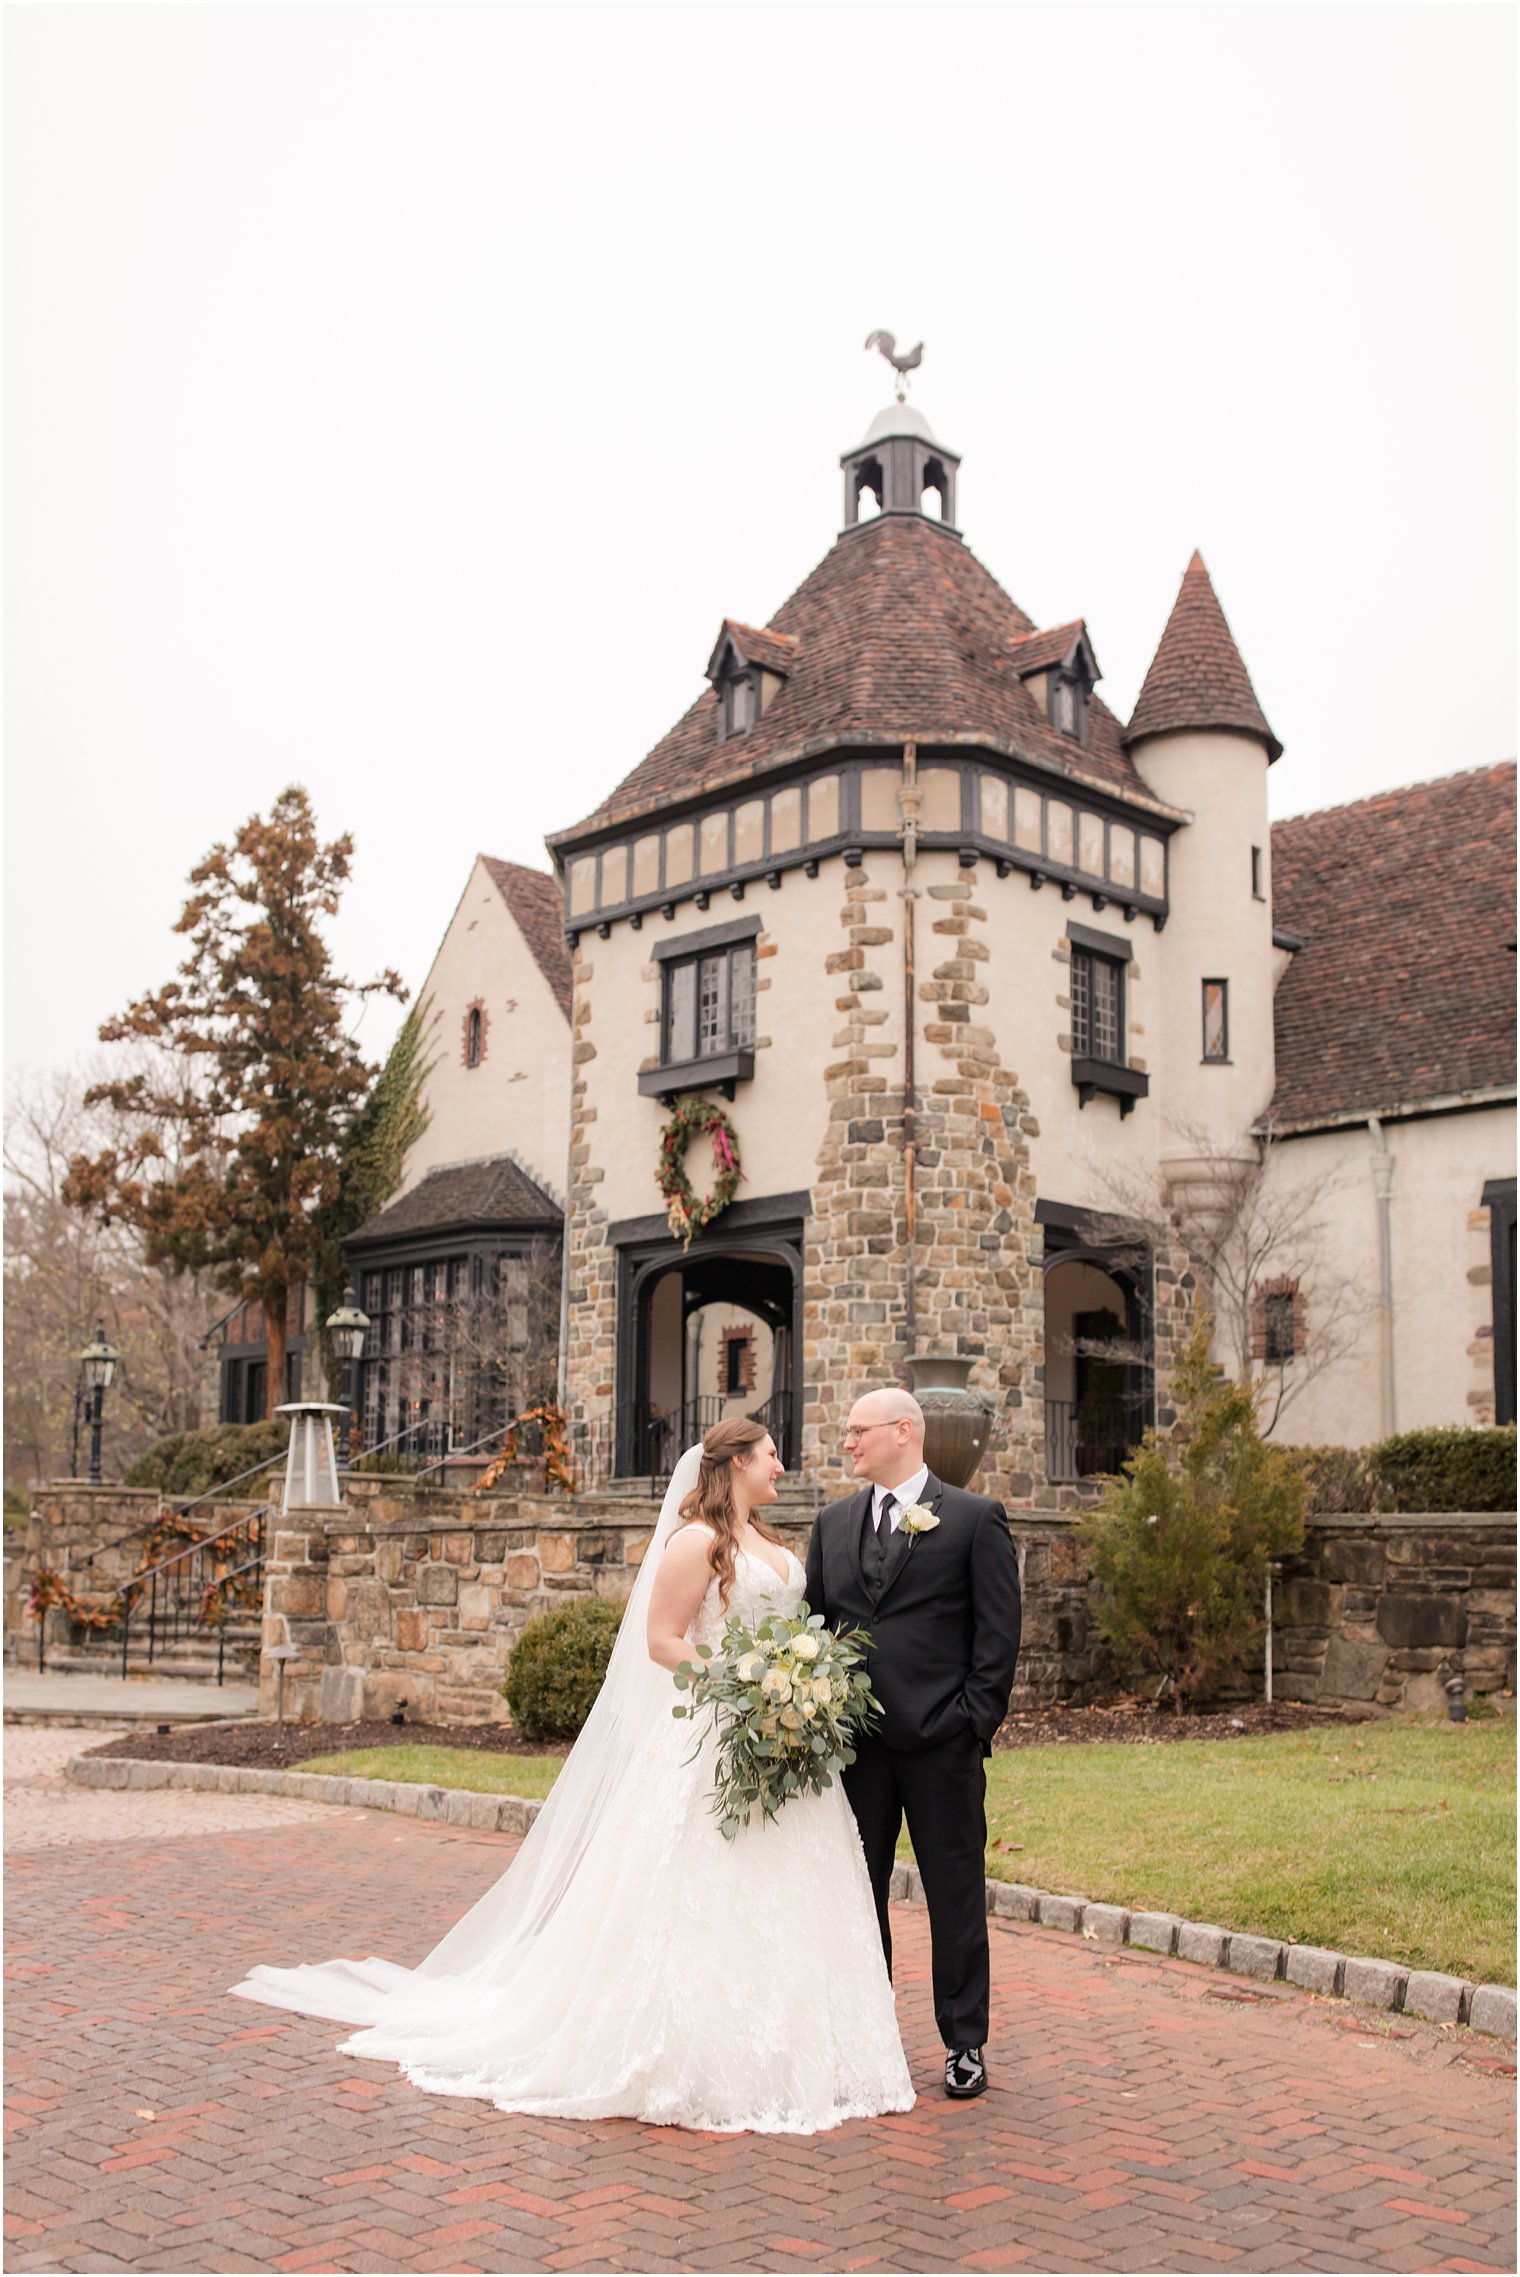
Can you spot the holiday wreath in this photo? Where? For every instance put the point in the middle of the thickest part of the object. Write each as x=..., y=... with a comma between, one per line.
x=695, y=1117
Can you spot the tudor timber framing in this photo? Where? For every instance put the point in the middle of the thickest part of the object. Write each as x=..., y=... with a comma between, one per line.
x=601, y=867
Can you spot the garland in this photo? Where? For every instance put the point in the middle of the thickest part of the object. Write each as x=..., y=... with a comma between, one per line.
x=554, y=1454
x=685, y=1213
x=49, y=1589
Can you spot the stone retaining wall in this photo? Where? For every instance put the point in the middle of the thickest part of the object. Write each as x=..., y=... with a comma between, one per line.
x=416, y=1595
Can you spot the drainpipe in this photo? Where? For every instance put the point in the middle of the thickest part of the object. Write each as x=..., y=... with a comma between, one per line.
x=1382, y=1188
x=908, y=807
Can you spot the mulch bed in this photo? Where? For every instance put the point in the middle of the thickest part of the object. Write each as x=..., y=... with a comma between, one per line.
x=255, y=1745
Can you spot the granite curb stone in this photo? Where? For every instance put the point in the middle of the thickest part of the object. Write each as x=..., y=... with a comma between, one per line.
x=1376, y=1984
x=1313, y=1968
x=1259, y=1957
x=1155, y=1932
x=1444, y=2000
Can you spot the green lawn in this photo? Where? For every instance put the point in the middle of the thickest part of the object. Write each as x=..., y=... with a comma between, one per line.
x=1393, y=1839
x=473, y=1767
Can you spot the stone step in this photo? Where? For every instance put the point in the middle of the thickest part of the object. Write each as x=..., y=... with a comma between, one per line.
x=179, y=1668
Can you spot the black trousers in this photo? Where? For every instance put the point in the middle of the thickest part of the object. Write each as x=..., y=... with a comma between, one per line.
x=942, y=1792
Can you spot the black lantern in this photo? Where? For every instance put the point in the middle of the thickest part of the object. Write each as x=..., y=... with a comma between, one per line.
x=97, y=1365
x=346, y=1329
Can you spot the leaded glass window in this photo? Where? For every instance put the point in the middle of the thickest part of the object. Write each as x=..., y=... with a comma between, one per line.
x=709, y=1004
x=1096, y=1007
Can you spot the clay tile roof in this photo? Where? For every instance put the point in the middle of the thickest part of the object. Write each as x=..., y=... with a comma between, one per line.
x=493, y=1192
x=774, y=650
x=899, y=632
x=1405, y=987
x=1196, y=677
x=535, y=901
x=1037, y=651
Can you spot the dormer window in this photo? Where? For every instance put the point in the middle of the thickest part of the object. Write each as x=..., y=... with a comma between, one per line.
x=738, y=698
x=1060, y=663
x=748, y=669
x=1069, y=691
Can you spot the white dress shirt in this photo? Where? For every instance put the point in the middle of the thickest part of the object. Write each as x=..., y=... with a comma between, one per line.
x=911, y=1491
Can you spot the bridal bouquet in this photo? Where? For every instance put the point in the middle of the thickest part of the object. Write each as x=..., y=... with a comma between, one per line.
x=786, y=1699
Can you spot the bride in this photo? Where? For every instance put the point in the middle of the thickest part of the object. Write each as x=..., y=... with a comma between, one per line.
x=630, y=1963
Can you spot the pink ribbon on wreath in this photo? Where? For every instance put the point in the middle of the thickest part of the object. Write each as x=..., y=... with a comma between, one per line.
x=721, y=1147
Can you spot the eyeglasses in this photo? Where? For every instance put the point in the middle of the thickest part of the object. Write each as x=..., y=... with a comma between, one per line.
x=859, y=1430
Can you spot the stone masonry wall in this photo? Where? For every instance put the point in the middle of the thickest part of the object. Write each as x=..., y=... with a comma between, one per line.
x=591, y=1262
x=417, y=1595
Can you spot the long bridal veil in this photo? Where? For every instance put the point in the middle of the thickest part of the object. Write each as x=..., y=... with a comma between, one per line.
x=490, y=1942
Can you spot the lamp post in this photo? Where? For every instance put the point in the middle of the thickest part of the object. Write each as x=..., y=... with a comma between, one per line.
x=346, y=1328
x=97, y=1365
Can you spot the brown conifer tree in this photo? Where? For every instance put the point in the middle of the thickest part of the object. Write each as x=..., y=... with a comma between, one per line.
x=264, y=1075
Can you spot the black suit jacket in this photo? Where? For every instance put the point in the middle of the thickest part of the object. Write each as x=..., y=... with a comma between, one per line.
x=945, y=1624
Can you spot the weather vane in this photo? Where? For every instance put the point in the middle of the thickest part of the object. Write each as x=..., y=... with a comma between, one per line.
x=902, y=365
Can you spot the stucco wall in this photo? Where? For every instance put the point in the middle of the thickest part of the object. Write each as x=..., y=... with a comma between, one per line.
x=1216, y=929
x=1442, y=1281
x=518, y=1099
x=780, y=1114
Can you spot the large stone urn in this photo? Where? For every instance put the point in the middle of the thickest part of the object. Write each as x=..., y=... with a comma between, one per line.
x=957, y=1420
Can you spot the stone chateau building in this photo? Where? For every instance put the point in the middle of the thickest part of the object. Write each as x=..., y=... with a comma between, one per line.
x=1020, y=1014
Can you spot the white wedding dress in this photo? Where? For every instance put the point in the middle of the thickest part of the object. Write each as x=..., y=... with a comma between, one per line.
x=630, y=1963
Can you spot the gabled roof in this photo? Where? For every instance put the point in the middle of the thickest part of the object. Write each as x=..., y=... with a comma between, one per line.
x=1038, y=651
x=773, y=651
x=1404, y=989
x=1196, y=677
x=899, y=633
x=494, y=1192
x=537, y=904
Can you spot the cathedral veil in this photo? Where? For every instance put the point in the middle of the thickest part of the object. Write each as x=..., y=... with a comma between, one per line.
x=494, y=1939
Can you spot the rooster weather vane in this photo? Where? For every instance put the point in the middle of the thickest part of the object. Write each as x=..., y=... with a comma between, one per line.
x=902, y=365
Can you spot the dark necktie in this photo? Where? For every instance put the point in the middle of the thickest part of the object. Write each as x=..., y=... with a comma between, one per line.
x=878, y=1542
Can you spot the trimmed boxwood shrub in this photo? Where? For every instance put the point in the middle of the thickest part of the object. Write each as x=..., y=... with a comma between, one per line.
x=192, y=1462
x=1455, y=1469
x=557, y=1667
x=1451, y=1469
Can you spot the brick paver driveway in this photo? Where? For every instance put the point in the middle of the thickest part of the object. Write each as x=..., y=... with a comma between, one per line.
x=1144, y=2115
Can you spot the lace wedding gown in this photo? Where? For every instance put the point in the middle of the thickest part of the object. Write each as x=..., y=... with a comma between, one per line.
x=673, y=1977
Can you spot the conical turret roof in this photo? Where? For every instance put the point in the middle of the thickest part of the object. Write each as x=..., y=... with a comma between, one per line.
x=1197, y=678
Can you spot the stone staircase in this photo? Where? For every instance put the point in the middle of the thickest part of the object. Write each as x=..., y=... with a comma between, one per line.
x=191, y=1660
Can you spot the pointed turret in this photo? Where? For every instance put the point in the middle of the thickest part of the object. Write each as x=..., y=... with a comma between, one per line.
x=1197, y=679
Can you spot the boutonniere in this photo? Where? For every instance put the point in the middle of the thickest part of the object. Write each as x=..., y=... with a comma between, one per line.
x=918, y=1519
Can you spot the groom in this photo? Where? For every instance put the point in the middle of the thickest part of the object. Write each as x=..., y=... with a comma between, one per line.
x=932, y=1573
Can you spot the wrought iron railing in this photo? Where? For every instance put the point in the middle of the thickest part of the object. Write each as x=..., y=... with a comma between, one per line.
x=195, y=1589
x=1078, y=1447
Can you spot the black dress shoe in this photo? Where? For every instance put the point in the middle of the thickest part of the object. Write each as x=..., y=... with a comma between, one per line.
x=965, y=2073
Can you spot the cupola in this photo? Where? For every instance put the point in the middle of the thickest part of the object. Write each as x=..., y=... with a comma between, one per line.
x=901, y=468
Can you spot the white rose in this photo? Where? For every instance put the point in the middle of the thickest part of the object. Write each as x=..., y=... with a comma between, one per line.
x=776, y=1684
x=805, y=1646
x=918, y=1518
x=750, y=1667
x=823, y=1689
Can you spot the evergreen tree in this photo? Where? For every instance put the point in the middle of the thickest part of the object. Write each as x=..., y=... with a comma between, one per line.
x=264, y=1078
x=1180, y=1542
x=373, y=1156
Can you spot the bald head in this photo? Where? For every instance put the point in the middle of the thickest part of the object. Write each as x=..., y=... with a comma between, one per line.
x=885, y=1436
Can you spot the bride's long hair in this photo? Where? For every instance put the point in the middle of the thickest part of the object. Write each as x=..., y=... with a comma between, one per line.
x=712, y=1499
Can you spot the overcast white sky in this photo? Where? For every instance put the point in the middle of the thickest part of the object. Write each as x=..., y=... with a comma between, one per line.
x=399, y=397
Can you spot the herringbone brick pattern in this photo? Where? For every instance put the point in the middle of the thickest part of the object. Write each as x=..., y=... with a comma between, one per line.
x=1144, y=2116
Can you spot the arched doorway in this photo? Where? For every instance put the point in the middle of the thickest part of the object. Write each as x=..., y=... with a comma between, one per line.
x=706, y=1333
x=1099, y=1375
